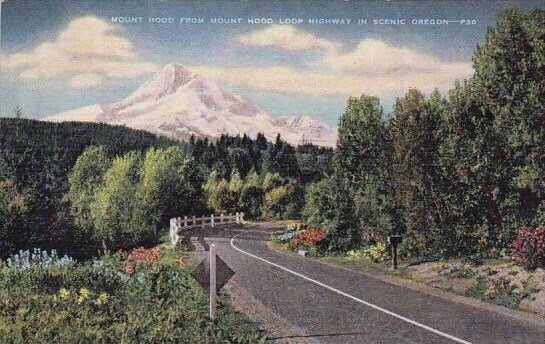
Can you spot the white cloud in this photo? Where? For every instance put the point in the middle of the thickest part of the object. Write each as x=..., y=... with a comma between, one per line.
x=373, y=56
x=86, y=52
x=373, y=67
x=86, y=80
x=291, y=81
x=286, y=37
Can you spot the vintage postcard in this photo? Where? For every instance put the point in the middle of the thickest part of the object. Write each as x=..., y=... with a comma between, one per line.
x=283, y=171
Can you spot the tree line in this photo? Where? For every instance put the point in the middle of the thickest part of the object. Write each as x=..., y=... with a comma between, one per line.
x=458, y=176
x=81, y=187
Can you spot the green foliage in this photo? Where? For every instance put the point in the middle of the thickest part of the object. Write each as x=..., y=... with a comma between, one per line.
x=283, y=202
x=85, y=179
x=115, y=205
x=99, y=301
x=457, y=177
x=38, y=157
x=320, y=203
x=251, y=196
x=362, y=144
x=13, y=210
x=170, y=185
x=361, y=162
x=128, y=201
x=266, y=197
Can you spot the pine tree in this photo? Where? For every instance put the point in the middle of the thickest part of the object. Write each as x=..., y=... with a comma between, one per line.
x=18, y=112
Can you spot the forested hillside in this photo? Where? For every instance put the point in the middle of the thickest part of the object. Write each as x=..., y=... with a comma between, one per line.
x=49, y=173
x=35, y=160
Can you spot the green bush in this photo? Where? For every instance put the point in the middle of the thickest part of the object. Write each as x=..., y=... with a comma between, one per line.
x=140, y=297
x=126, y=202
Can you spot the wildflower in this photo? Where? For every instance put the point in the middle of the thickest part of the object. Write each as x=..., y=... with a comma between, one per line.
x=102, y=299
x=181, y=263
x=84, y=293
x=129, y=269
x=22, y=311
x=64, y=293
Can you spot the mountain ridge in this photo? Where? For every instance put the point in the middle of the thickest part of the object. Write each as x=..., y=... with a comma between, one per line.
x=178, y=103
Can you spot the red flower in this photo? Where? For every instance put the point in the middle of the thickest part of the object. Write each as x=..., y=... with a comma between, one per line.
x=527, y=248
x=129, y=269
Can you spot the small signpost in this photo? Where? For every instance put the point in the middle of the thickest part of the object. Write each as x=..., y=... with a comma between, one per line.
x=394, y=240
x=212, y=274
x=213, y=280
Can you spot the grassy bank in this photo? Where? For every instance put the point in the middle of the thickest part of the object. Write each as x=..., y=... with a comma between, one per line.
x=142, y=296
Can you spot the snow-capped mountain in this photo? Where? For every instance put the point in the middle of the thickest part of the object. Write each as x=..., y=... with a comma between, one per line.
x=178, y=103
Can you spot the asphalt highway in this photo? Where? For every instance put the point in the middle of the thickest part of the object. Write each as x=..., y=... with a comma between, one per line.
x=335, y=305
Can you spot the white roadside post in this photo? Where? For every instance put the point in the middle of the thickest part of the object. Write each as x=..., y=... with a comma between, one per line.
x=213, y=282
x=174, y=237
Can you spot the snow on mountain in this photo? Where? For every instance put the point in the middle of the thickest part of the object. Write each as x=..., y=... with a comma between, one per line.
x=178, y=103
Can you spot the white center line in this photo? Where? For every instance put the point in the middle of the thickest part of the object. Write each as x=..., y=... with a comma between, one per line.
x=378, y=308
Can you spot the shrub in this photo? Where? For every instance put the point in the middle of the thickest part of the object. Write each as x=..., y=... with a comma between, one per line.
x=306, y=239
x=369, y=238
x=527, y=248
x=312, y=237
x=376, y=253
x=283, y=202
x=50, y=299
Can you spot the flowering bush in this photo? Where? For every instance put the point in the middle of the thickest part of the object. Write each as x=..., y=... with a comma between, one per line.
x=306, y=239
x=311, y=237
x=140, y=256
x=298, y=236
x=295, y=226
x=286, y=237
x=527, y=249
x=376, y=253
x=38, y=259
x=354, y=255
x=46, y=299
x=372, y=238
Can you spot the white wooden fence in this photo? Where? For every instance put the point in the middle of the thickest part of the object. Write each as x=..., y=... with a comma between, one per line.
x=178, y=224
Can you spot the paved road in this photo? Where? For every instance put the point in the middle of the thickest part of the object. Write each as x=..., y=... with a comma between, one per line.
x=333, y=305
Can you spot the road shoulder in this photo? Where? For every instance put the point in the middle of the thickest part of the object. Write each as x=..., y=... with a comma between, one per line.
x=413, y=285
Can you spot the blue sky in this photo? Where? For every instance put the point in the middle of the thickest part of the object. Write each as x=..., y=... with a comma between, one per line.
x=46, y=70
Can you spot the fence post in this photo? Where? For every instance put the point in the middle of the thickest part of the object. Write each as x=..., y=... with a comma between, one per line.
x=212, y=220
x=185, y=221
x=213, y=282
x=173, y=232
x=242, y=218
x=236, y=218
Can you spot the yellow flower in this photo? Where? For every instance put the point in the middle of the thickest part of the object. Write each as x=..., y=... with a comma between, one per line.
x=64, y=293
x=22, y=311
x=84, y=293
x=102, y=299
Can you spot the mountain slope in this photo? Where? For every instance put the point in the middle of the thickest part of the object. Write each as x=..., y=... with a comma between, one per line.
x=177, y=103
